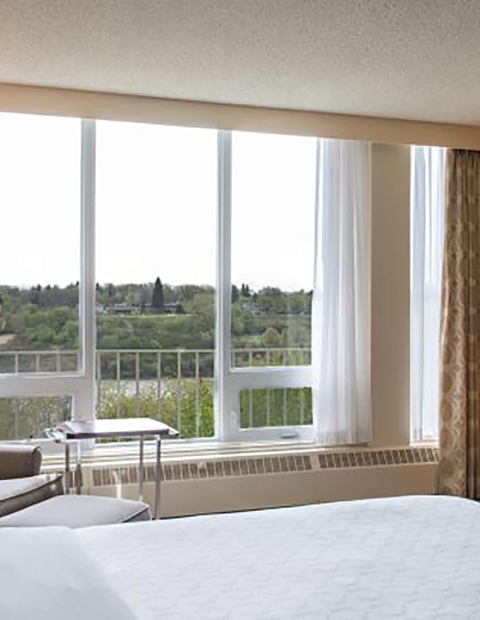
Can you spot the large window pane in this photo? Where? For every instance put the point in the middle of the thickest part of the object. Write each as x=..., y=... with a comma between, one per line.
x=40, y=243
x=155, y=266
x=273, y=212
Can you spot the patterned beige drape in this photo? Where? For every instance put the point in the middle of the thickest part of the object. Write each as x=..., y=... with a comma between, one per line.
x=459, y=470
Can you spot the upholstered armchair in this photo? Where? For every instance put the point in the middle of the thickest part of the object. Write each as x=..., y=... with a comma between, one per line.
x=19, y=461
x=31, y=499
x=21, y=483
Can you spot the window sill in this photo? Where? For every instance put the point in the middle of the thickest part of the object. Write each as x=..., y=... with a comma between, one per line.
x=175, y=450
x=184, y=451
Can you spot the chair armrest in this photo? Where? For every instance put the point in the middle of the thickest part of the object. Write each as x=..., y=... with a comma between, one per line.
x=19, y=461
x=22, y=493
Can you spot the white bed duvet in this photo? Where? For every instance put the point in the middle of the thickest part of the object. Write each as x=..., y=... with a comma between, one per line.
x=412, y=558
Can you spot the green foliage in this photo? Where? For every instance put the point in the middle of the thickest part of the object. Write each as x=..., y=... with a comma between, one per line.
x=275, y=407
x=268, y=317
x=185, y=404
x=271, y=338
x=29, y=417
x=45, y=318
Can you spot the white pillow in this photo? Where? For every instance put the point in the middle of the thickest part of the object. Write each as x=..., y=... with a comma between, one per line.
x=45, y=574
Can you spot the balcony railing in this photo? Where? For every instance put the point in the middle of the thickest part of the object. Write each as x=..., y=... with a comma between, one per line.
x=175, y=386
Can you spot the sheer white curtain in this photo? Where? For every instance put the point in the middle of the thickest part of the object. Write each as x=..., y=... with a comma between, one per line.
x=427, y=201
x=341, y=298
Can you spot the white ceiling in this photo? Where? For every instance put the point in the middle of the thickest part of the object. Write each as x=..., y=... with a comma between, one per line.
x=413, y=59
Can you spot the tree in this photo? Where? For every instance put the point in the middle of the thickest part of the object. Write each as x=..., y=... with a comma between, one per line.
x=235, y=294
x=245, y=290
x=271, y=338
x=35, y=294
x=298, y=303
x=158, y=303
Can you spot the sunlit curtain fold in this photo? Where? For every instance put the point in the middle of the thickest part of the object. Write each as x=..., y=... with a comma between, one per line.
x=341, y=299
x=427, y=204
x=459, y=470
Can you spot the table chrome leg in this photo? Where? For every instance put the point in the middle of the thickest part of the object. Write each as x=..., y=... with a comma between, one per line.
x=78, y=469
x=158, y=479
x=141, y=473
x=67, y=468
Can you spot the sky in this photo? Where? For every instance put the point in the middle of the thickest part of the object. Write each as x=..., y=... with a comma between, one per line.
x=156, y=192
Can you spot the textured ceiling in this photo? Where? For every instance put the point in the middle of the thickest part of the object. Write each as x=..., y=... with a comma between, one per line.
x=413, y=59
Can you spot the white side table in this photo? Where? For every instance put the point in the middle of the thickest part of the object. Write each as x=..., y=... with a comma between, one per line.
x=72, y=432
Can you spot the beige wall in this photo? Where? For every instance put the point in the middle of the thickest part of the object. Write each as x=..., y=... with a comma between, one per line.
x=292, y=489
x=390, y=294
x=84, y=104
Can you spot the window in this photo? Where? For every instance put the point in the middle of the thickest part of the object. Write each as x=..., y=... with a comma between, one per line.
x=156, y=194
x=119, y=301
x=273, y=235
x=426, y=245
x=272, y=262
x=40, y=245
x=168, y=272
x=43, y=352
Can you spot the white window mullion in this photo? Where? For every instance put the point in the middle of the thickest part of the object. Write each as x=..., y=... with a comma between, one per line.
x=222, y=397
x=84, y=404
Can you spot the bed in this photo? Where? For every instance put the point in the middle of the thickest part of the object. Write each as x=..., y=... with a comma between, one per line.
x=412, y=558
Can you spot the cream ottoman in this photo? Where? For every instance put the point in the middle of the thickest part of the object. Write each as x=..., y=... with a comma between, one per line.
x=77, y=511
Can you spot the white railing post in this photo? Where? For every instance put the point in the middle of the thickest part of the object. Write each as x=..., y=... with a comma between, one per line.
x=197, y=393
x=179, y=391
x=159, y=382
x=137, y=383
x=118, y=385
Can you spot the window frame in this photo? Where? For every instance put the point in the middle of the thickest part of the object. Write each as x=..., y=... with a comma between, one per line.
x=228, y=381
x=77, y=384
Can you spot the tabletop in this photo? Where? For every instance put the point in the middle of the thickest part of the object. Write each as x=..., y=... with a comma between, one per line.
x=121, y=427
